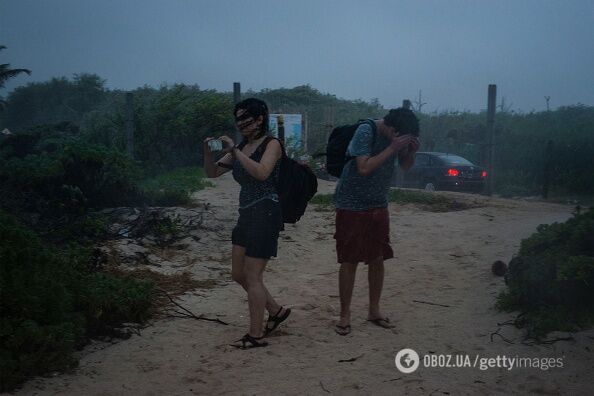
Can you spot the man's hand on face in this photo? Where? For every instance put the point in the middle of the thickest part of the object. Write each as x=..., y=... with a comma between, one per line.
x=400, y=142
x=414, y=145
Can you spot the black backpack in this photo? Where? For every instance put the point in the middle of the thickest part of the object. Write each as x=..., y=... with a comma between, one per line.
x=297, y=185
x=338, y=142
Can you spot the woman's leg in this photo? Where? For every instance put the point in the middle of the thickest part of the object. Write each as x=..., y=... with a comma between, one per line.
x=257, y=294
x=238, y=275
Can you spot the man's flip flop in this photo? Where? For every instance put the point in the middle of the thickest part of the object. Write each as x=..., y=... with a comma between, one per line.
x=382, y=322
x=276, y=320
x=342, y=330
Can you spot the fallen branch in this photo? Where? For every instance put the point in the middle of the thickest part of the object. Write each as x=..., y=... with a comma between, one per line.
x=502, y=337
x=186, y=313
x=513, y=322
x=351, y=359
x=430, y=303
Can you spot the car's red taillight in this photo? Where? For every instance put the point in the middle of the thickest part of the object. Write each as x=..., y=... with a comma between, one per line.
x=484, y=174
x=453, y=172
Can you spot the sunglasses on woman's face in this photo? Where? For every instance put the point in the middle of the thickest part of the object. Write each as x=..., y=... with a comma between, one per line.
x=244, y=121
x=243, y=117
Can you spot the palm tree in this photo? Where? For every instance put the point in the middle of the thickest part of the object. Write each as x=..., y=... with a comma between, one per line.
x=7, y=73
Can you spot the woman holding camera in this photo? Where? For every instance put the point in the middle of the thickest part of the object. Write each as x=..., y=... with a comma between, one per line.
x=255, y=164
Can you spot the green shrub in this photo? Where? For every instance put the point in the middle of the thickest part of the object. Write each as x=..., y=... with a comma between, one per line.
x=104, y=177
x=50, y=302
x=109, y=301
x=552, y=278
x=174, y=187
x=324, y=202
x=50, y=171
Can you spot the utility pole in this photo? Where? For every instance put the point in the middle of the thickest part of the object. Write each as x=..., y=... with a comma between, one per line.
x=547, y=98
x=491, y=104
x=130, y=124
x=237, y=99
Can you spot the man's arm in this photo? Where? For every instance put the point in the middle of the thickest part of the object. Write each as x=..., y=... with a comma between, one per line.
x=366, y=164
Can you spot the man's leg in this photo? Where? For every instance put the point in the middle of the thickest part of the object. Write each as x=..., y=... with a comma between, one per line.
x=346, y=283
x=375, y=277
x=381, y=227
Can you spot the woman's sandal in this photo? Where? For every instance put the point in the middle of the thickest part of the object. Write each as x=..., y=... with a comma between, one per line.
x=252, y=341
x=276, y=320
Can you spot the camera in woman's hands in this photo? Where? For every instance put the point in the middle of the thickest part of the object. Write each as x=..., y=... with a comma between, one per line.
x=215, y=145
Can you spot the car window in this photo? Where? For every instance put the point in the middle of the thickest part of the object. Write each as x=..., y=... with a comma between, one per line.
x=454, y=160
x=435, y=161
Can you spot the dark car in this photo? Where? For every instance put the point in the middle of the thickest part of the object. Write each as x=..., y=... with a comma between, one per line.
x=441, y=171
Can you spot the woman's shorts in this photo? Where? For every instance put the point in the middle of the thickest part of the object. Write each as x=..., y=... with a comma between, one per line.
x=257, y=229
x=363, y=235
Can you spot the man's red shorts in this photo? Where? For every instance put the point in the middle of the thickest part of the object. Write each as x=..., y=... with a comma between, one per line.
x=362, y=235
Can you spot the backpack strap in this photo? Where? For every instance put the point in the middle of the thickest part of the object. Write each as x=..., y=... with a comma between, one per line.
x=267, y=140
x=260, y=148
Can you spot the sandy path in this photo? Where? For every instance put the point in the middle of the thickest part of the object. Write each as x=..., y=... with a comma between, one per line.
x=440, y=257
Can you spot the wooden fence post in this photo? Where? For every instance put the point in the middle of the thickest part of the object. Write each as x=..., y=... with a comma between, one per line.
x=237, y=99
x=491, y=103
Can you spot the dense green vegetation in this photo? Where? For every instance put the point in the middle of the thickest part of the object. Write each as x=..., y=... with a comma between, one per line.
x=550, y=280
x=52, y=302
x=54, y=180
x=172, y=121
x=173, y=188
x=53, y=171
